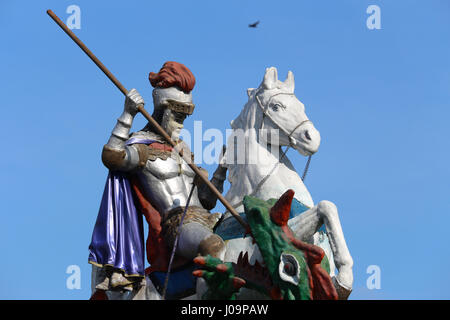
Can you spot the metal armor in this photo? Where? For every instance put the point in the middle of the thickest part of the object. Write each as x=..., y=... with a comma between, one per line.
x=166, y=180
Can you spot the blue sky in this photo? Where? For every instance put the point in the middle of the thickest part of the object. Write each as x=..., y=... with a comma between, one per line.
x=380, y=99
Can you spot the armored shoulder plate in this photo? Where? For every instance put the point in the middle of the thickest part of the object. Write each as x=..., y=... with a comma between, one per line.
x=156, y=150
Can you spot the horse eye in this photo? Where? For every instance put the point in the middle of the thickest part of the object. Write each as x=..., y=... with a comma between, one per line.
x=275, y=107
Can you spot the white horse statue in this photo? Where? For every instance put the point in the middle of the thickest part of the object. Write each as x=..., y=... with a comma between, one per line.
x=273, y=108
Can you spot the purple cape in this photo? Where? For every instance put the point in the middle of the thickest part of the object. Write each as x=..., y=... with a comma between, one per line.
x=118, y=236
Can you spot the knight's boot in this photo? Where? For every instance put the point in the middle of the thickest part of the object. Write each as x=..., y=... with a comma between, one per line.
x=120, y=281
x=110, y=284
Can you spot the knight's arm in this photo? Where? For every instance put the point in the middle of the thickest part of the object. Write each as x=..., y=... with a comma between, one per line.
x=116, y=155
x=208, y=198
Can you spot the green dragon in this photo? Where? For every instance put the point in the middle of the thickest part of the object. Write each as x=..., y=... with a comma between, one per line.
x=292, y=269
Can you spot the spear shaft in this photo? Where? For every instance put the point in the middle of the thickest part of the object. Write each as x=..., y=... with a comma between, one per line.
x=150, y=119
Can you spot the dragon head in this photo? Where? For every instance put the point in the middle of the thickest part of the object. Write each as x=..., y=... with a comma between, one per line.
x=292, y=269
x=298, y=270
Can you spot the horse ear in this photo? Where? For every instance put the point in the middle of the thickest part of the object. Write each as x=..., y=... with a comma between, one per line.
x=289, y=82
x=250, y=91
x=281, y=210
x=270, y=78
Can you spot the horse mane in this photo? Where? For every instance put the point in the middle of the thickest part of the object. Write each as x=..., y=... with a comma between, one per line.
x=247, y=117
x=244, y=121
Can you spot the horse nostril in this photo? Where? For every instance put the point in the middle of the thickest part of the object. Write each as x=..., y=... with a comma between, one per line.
x=307, y=135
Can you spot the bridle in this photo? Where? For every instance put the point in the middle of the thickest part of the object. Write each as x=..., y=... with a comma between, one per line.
x=292, y=141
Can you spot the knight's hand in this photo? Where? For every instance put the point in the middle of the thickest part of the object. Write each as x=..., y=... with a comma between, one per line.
x=197, y=180
x=132, y=101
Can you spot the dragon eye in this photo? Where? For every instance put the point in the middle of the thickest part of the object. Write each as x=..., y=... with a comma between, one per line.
x=289, y=268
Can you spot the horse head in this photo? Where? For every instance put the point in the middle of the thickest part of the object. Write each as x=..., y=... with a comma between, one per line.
x=280, y=110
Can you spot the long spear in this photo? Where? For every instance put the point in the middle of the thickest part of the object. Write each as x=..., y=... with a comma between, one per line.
x=144, y=112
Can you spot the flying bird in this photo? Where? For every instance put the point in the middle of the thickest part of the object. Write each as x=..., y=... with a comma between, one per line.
x=253, y=25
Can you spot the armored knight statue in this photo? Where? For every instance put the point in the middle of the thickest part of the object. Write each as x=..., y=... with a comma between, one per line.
x=149, y=179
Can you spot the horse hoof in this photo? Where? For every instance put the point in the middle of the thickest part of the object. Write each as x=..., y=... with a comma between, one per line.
x=342, y=291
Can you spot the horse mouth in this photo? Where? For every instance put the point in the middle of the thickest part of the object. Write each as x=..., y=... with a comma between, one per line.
x=305, y=148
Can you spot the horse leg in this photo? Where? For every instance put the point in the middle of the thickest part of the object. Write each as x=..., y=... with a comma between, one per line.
x=309, y=223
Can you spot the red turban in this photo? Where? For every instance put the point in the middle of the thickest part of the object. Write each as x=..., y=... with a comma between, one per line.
x=173, y=74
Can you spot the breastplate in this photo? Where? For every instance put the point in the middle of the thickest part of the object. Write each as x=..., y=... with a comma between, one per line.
x=167, y=183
